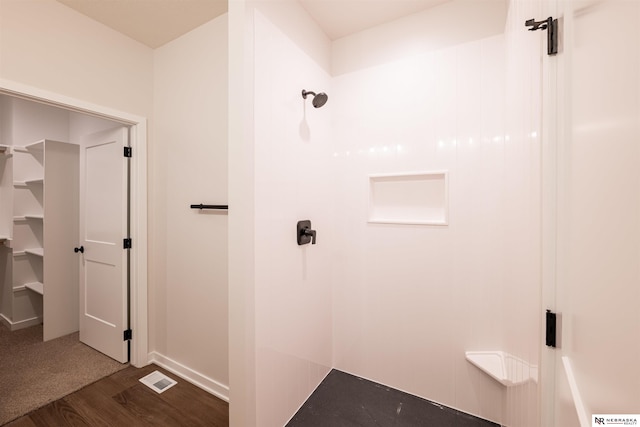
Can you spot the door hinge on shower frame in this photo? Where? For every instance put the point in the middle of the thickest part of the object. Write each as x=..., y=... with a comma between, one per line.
x=127, y=335
x=126, y=243
x=551, y=324
x=127, y=152
x=549, y=24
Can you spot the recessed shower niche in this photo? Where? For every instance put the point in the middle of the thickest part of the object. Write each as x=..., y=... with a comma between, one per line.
x=409, y=198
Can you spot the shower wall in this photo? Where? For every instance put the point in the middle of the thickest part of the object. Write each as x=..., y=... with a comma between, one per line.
x=293, y=181
x=409, y=300
x=525, y=55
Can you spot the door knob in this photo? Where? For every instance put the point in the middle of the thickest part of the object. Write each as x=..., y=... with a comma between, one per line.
x=80, y=249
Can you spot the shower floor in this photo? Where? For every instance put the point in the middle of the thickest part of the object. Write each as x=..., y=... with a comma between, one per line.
x=344, y=400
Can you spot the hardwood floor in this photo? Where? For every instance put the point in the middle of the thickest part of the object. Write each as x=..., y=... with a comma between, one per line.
x=121, y=400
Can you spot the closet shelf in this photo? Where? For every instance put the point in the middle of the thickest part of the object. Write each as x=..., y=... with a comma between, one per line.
x=36, y=146
x=36, y=287
x=27, y=217
x=23, y=184
x=35, y=251
x=34, y=216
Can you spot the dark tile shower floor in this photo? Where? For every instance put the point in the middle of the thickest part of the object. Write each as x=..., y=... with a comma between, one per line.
x=344, y=400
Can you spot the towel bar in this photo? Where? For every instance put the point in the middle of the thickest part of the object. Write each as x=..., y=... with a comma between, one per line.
x=201, y=206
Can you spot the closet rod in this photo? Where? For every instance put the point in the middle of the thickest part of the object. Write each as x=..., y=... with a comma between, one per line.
x=201, y=206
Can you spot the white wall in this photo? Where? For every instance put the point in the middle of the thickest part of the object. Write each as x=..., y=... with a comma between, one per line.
x=49, y=46
x=32, y=122
x=280, y=149
x=242, y=366
x=81, y=125
x=522, y=223
x=293, y=181
x=189, y=326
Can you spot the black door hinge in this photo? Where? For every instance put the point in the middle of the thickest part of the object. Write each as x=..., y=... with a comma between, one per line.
x=127, y=151
x=550, y=336
x=551, y=25
x=127, y=335
x=126, y=243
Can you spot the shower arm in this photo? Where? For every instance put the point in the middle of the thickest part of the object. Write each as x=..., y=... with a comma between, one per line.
x=307, y=92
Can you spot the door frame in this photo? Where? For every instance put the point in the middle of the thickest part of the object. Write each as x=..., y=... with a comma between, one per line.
x=137, y=202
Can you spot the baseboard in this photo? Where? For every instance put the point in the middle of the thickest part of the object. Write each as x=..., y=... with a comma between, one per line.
x=14, y=326
x=6, y=322
x=207, y=384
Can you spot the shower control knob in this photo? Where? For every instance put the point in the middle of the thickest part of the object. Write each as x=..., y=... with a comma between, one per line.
x=310, y=233
x=304, y=233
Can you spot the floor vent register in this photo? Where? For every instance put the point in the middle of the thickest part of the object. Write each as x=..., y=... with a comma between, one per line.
x=158, y=382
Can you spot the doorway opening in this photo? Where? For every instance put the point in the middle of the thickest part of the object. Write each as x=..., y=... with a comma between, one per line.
x=137, y=254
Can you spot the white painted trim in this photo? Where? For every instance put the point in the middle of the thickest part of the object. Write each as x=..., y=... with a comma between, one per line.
x=581, y=410
x=5, y=321
x=138, y=141
x=199, y=380
x=14, y=326
x=138, y=261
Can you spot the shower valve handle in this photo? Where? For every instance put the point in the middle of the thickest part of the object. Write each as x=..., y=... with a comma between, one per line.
x=304, y=233
x=312, y=233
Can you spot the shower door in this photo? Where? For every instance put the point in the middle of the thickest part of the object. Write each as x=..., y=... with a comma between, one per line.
x=593, y=250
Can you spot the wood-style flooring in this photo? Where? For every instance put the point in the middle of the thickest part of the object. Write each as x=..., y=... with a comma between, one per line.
x=122, y=400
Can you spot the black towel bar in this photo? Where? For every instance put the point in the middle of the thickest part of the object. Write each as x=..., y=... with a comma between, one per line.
x=201, y=206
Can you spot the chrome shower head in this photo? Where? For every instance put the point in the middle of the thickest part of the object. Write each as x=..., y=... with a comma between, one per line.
x=318, y=99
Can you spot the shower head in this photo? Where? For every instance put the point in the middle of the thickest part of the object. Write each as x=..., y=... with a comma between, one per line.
x=318, y=99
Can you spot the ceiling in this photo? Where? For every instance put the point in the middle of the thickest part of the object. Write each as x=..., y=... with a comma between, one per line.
x=151, y=22
x=156, y=22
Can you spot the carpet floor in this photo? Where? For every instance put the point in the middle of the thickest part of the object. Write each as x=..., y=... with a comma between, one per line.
x=34, y=373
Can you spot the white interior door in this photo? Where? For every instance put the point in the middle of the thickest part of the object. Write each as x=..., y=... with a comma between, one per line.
x=103, y=226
